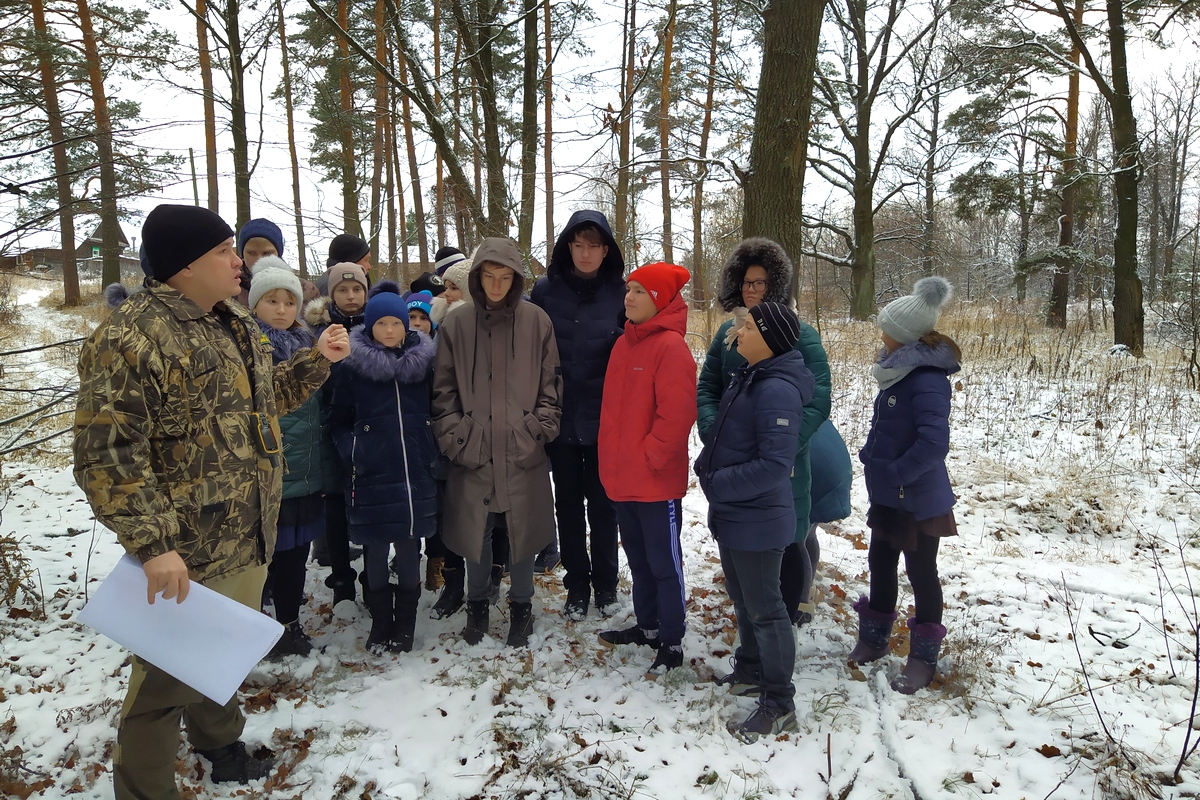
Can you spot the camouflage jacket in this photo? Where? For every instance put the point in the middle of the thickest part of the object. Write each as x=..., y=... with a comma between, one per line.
x=170, y=427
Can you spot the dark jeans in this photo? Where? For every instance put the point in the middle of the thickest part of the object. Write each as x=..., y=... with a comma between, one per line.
x=286, y=574
x=650, y=536
x=576, y=474
x=337, y=539
x=766, y=647
x=921, y=566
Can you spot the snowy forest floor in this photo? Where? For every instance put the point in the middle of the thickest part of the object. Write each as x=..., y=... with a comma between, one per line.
x=1069, y=671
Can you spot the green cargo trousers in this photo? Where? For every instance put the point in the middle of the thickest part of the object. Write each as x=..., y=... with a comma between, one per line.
x=148, y=730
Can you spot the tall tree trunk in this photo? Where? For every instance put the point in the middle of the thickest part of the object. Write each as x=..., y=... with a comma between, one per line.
x=621, y=226
x=664, y=132
x=1024, y=217
x=529, y=131
x=1060, y=287
x=110, y=225
x=440, y=186
x=378, y=156
x=548, y=135
x=210, y=108
x=862, y=267
x=1128, y=315
x=413, y=172
x=927, y=225
x=66, y=211
x=350, y=219
x=477, y=29
x=237, y=113
x=774, y=185
x=389, y=189
x=301, y=253
x=699, y=257
x=399, y=273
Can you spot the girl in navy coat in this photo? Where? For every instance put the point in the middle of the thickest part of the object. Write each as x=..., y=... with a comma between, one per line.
x=275, y=298
x=380, y=421
x=904, y=461
x=745, y=471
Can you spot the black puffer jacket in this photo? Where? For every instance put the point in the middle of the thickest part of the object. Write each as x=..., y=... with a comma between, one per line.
x=588, y=318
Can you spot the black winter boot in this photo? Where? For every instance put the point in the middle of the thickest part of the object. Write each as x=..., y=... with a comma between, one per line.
x=451, y=599
x=293, y=642
x=874, y=633
x=477, y=621
x=520, y=625
x=342, y=589
x=380, y=604
x=925, y=644
x=405, y=624
x=232, y=763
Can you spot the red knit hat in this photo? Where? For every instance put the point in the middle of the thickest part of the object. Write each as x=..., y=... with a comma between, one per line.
x=662, y=280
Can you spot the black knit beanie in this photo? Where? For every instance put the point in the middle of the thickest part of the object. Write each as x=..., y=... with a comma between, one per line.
x=779, y=325
x=346, y=247
x=175, y=236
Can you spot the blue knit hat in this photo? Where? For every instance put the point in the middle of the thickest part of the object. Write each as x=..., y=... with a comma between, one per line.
x=262, y=228
x=386, y=303
x=422, y=301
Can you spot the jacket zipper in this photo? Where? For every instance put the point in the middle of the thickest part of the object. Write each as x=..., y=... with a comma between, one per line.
x=412, y=523
x=353, y=466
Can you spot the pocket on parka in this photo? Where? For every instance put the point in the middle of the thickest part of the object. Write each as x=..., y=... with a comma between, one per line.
x=468, y=446
x=529, y=440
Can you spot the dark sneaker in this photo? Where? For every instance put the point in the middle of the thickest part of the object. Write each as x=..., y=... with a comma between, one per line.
x=669, y=657
x=576, y=608
x=634, y=635
x=233, y=764
x=606, y=603
x=766, y=721
x=293, y=642
x=742, y=682
x=451, y=598
x=546, y=561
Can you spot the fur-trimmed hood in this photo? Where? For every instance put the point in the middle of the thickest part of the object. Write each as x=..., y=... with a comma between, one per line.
x=761, y=252
x=117, y=293
x=322, y=312
x=286, y=344
x=412, y=363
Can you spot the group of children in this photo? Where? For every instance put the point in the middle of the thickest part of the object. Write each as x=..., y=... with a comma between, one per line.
x=445, y=420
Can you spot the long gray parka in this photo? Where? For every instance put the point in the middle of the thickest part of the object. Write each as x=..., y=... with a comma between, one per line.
x=497, y=401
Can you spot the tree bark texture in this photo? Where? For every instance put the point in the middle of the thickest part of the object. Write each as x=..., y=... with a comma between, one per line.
x=1060, y=287
x=774, y=185
x=110, y=225
x=529, y=131
x=664, y=131
x=301, y=253
x=1128, y=314
x=210, y=107
x=62, y=178
x=237, y=114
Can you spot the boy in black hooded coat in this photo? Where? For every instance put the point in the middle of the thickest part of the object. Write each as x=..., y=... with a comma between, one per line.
x=583, y=293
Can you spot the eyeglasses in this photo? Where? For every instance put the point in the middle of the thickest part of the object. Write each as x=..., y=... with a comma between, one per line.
x=757, y=286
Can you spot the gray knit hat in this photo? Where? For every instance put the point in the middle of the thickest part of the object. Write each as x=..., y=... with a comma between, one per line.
x=457, y=274
x=272, y=272
x=906, y=319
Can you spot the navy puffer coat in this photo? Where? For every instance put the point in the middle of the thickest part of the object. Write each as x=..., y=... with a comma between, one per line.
x=380, y=421
x=745, y=470
x=588, y=318
x=904, y=459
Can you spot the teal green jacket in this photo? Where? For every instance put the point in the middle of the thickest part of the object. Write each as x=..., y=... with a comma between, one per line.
x=720, y=365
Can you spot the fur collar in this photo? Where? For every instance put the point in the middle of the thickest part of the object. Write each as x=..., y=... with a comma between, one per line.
x=766, y=254
x=411, y=363
x=322, y=311
x=285, y=344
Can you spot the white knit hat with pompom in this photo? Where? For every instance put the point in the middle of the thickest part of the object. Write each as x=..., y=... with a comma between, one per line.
x=906, y=319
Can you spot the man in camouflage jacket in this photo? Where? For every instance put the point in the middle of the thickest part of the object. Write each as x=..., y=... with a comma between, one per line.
x=177, y=449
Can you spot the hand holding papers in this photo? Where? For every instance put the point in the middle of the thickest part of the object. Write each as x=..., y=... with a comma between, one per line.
x=208, y=641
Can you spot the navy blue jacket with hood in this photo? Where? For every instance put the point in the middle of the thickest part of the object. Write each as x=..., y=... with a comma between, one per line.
x=745, y=470
x=904, y=459
x=379, y=415
x=588, y=317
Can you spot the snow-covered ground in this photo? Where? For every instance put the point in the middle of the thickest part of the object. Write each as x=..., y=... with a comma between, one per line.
x=1069, y=670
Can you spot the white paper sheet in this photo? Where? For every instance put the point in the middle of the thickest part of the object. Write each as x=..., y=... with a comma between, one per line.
x=208, y=641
